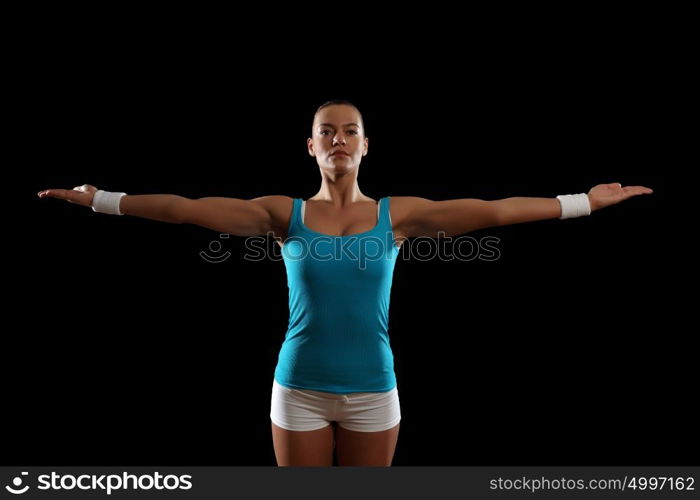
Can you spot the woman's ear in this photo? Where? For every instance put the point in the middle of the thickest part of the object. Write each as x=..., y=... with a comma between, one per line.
x=364, y=151
x=310, y=147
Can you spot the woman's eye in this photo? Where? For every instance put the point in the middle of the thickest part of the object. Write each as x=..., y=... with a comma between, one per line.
x=326, y=132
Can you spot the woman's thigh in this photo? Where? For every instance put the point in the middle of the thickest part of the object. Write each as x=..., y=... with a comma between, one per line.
x=302, y=434
x=366, y=449
x=303, y=448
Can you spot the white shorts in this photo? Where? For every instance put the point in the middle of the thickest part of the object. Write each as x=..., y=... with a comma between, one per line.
x=305, y=410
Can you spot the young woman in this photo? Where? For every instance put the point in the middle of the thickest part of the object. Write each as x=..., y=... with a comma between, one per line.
x=334, y=387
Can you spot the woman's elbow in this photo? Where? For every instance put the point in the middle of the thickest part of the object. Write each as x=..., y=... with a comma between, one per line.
x=181, y=210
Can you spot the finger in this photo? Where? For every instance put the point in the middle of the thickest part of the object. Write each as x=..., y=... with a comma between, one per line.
x=62, y=194
x=44, y=193
x=633, y=190
x=53, y=193
x=629, y=193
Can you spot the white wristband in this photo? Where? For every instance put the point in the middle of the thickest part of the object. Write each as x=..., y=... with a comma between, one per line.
x=574, y=205
x=107, y=202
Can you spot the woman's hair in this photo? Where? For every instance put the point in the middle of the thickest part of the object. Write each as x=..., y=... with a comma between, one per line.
x=342, y=102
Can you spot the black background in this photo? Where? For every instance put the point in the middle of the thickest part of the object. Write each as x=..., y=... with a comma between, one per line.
x=123, y=345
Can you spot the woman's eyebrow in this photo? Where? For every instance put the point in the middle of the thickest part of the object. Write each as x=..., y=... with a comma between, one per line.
x=331, y=125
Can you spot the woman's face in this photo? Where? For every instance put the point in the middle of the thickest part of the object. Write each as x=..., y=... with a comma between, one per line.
x=338, y=138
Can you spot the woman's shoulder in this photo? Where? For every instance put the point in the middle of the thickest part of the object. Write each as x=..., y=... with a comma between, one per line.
x=275, y=200
x=407, y=202
x=404, y=208
x=278, y=206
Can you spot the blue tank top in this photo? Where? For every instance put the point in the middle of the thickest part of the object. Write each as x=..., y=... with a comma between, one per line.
x=339, y=288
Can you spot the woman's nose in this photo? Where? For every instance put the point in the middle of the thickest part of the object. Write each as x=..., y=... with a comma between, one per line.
x=338, y=140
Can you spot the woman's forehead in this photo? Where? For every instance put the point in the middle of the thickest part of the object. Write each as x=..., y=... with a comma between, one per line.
x=339, y=115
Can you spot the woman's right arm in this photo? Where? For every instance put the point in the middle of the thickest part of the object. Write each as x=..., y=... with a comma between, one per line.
x=258, y=216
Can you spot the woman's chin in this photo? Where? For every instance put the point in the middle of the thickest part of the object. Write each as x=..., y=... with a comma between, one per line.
x=340, y=169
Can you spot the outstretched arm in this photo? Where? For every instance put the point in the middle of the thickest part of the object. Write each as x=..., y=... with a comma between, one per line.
x=235, y=216
x=422, y=217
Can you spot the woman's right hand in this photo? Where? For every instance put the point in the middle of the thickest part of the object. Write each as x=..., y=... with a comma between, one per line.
x=80, y=195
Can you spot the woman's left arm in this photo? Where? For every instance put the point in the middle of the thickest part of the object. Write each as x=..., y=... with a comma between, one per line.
x=517, y=210
x=422, y=217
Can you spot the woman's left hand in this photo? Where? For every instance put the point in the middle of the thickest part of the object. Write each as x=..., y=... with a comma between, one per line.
x=604, y=195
